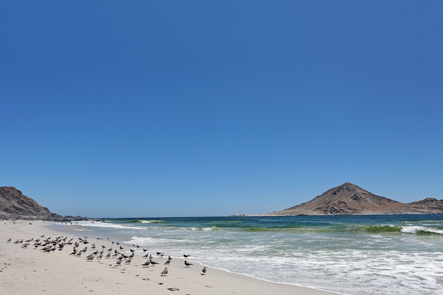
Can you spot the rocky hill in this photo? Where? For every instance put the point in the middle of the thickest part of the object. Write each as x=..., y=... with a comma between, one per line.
x=13, y=204
x=349, y=199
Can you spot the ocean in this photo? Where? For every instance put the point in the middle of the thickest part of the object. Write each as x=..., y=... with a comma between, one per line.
x=369, y=254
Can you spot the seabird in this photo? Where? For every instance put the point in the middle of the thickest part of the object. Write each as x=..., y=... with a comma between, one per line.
x=118, y=262
x=47, y=249
x=204, y=270
x=186, y=256
x=90, y=256
x=146, y=263
x=187, y=263
x=9, y=240
x=165, y=271
x=168, y=261
x=153, y=262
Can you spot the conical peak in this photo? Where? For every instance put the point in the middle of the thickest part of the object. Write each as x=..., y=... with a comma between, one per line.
x=348, y=199
x=346, y=186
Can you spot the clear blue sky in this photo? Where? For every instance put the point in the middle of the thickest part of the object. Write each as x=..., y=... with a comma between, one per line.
x=198, y=108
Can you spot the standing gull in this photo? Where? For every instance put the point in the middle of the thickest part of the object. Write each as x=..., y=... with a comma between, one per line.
x=164, y=272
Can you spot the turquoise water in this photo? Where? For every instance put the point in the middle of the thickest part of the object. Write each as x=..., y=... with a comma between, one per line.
x=381, y=254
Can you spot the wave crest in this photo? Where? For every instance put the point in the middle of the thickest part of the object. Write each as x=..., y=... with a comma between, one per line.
x=148, y=221
x=421, y=230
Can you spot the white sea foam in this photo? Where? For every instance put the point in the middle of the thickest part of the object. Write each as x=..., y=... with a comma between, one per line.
x=415, y=229
x=345, y=271
x=200, y=228
x=146, y=241
x=109, y=225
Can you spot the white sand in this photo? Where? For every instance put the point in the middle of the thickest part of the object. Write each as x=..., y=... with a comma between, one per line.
x=32, y=271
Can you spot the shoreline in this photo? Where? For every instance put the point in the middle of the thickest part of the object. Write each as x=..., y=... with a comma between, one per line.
x=56, y=226
x=61, y=273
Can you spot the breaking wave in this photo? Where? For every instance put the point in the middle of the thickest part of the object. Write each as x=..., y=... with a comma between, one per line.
x=109, y=225
x=149, y=221
x=380, y=229
x=421, y=230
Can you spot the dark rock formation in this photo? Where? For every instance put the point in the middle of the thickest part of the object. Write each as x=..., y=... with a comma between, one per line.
x=349, y=199
x=13, y=204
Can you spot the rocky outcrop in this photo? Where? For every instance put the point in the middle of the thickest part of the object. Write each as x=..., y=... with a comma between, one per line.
x=13, y=204
x=348, y=199
x=426, y=206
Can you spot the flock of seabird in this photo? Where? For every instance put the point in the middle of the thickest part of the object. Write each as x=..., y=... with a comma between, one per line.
x=80, y=246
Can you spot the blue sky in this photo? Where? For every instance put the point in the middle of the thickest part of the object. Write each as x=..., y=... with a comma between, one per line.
x=200, y=108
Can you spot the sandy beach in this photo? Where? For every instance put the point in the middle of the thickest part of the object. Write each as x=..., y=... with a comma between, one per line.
x=33, y=271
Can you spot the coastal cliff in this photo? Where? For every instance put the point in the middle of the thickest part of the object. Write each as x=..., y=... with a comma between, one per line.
x=348, y=199
x=13, y=204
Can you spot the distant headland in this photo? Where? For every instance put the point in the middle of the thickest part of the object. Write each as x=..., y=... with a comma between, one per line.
x=348, y=199
x=15, y=205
